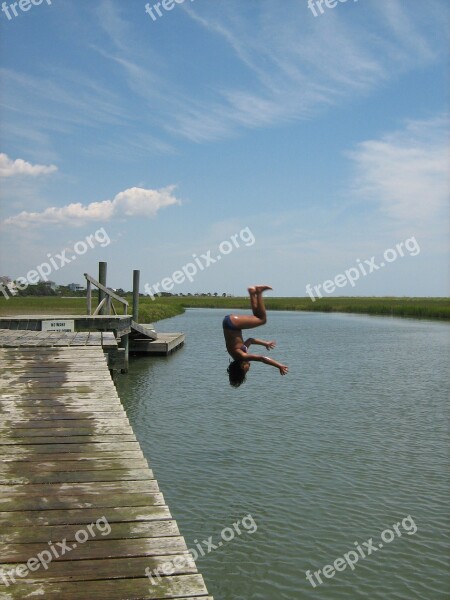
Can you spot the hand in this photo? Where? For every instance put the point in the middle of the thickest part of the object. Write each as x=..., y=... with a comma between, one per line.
x=283, y=369
x=270, y=345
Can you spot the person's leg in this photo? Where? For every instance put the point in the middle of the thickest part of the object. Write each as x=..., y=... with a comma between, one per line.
x=259, y=310
x=257, y=301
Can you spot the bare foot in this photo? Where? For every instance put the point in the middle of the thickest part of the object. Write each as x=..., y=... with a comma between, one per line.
x=251, y=290
x=262, y=288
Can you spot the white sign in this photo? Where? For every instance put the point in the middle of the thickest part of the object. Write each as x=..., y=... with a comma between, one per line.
x=58, y=325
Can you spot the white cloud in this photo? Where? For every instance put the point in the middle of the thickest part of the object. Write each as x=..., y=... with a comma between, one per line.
x=407, y=171
x=14, y=168
x=133, y=202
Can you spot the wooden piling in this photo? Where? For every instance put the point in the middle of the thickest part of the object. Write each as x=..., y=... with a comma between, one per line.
x=136, y=275
x=102, y=269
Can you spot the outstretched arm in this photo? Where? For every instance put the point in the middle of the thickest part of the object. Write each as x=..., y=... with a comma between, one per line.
x=256, y=342
x=266, y=360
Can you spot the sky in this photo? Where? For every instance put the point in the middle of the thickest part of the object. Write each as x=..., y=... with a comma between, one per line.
x=222, y=143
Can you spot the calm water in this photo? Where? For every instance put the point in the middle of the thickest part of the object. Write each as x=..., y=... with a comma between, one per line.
x=352, y=441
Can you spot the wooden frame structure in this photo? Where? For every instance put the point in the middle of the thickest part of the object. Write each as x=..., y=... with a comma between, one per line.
x=108, y=297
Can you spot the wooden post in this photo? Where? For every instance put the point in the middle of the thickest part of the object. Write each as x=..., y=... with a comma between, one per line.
x=89, y=297
x=102, y=268
x=126, y=345
x=136, y=275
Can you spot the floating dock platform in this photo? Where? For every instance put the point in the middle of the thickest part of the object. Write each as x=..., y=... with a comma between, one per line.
x=165, y=344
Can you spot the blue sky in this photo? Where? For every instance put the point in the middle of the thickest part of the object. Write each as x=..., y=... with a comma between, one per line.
x=326, y=136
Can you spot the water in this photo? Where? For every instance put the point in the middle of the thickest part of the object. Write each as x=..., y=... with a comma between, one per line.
x=351, y=442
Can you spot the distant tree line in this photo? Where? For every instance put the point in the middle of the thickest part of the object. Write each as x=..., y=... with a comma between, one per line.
x=43, y=289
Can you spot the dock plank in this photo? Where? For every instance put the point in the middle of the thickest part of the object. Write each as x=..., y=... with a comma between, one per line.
x=185, y=587
x=44, y=518
x=113, y=568
x=26, y=535
x=18, y=476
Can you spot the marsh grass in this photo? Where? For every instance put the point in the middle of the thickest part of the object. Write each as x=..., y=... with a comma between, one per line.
x=164, y=308
x=430, y=308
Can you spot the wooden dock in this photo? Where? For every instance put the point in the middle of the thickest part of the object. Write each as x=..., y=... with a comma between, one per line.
x=131, y=336
x=70, y=463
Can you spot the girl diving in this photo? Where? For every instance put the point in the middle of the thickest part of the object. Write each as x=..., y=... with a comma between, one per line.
x=237, y=348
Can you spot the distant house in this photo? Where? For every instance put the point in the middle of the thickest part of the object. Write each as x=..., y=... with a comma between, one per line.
x=51, y=284
x=7, y=283
x=76, y=287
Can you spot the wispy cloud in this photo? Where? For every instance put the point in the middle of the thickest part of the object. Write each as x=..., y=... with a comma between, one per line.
x=66, y=101
x=406, y=172
x=20, y=167
x=297, y=65
x=268, y=65
x=133, y=202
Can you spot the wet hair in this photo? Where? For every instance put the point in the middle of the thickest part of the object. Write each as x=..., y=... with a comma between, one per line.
x=236, y=373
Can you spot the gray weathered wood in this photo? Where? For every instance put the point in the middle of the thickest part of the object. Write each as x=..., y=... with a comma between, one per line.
x=70, y=460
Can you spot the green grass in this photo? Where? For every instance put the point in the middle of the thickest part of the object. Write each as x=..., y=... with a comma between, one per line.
x=164, y=308
x=430, y=308
x=149, y=312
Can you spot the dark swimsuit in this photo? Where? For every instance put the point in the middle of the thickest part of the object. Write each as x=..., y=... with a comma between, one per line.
x=228, y=324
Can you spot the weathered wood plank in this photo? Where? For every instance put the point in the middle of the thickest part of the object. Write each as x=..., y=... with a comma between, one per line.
x=66, y=439
x=46, y=376
x=81, y=455
x=178, y=586
x=20, y=503
x=83, y=489
x=83, y=476
x=101, y=548
x=49, y=350
x=119, y=531
x=70, y=428
x=71, y=400
x=67, y=466
x=19, y=363
x=62, y=413
x=112, y=568
x=75, y=516
x=120, y=422
x=78, y=385
x=87, y=428
x=63, y=448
